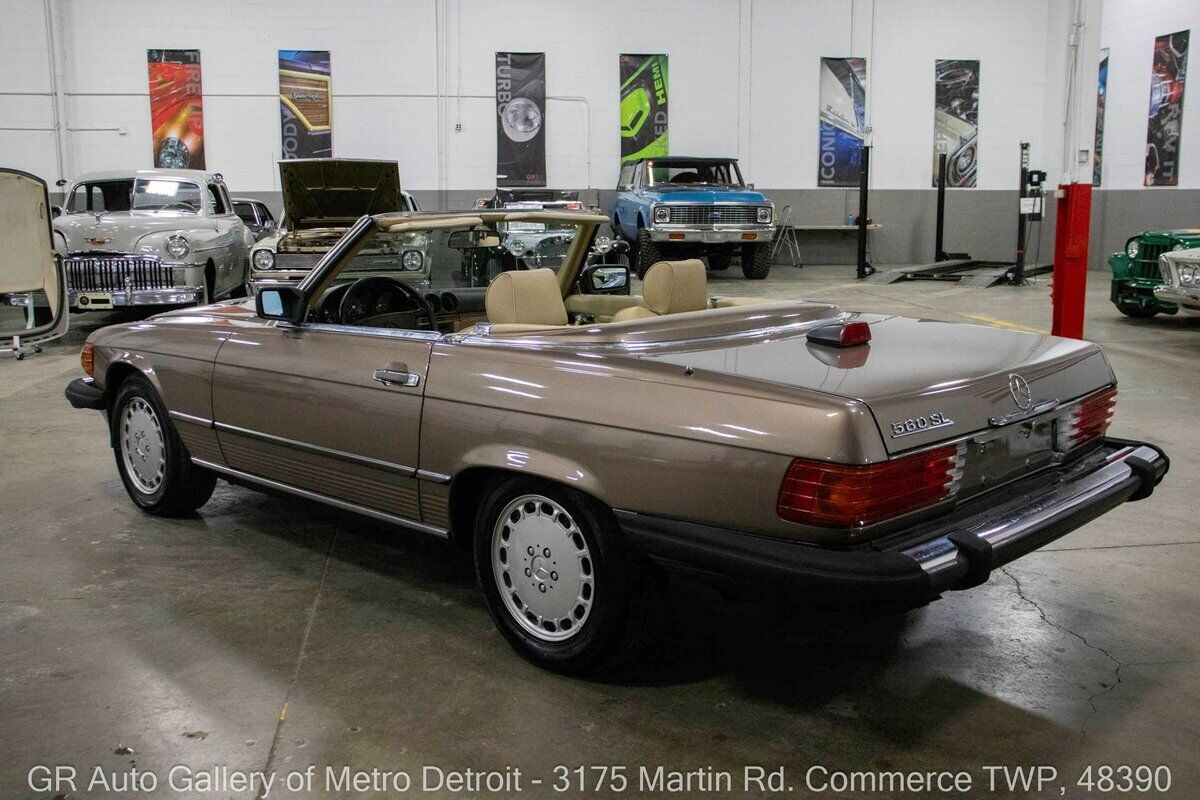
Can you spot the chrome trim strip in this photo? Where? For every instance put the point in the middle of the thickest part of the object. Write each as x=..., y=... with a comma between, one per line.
x=321, y=498
x=940, y=555
x=354, y=330
x=317, y=449
x=201, y=421
x=430, y=475
x=1017, y=416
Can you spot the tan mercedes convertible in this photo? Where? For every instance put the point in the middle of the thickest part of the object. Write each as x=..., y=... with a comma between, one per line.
x=584, y=442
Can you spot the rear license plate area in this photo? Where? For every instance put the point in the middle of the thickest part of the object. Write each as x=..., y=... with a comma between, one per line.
x=1003, y=456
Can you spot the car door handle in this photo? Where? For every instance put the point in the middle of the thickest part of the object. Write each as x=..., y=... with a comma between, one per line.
x=396, y=375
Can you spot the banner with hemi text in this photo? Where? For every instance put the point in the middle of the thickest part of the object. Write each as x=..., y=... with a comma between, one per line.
x=644, y=89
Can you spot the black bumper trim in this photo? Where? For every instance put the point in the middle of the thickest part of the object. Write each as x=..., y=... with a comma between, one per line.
x=83, y=393
x=889, y=574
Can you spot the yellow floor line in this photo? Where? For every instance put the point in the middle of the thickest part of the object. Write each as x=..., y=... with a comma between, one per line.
x=1004, y=324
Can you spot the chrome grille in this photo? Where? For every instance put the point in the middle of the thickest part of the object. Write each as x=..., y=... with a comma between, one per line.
x=713, y=214
x=115, y=273
x=1146, y=263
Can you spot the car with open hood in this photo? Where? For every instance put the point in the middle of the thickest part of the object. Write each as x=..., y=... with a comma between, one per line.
x=160, y=237
x=322, y=199
x=685, y=207
x=582, y=446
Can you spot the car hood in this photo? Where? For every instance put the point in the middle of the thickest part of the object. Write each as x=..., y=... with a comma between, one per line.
x=119, y=231
x=334, y=192
x=914, y=368
x=709, y=194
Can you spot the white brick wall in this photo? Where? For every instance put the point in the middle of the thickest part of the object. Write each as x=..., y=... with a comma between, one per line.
x=1128, y=31
x=760, y=56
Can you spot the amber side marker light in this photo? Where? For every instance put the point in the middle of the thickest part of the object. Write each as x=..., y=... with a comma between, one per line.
x=851, y=495
x=847, y=335
x=749, y=236
x=675, y=236
x=87, y=358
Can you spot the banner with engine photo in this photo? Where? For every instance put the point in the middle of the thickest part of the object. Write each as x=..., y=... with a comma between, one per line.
x=1101, y=97
x=176, y=108
x=1166, y=109
x=305, y=104
x=843, y=126
x=956, y=120
x=520, y=119
x=644, y=89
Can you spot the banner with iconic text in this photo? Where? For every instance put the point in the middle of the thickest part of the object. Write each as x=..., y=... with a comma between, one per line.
x=644, y=89
x=520, y=119
x=1165, y=123
x=956, y=120
x=176, y=108
x=305, y=104
x=843, y=125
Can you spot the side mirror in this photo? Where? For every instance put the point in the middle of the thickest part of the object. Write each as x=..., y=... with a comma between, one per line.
x=56, y=212
x=605, y=279
x=284, y=303
x=33, y=281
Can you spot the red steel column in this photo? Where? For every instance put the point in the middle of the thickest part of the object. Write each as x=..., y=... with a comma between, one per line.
x=1069, y=289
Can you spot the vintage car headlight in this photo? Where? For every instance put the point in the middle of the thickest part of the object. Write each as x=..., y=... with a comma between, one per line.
x=413, y=260
x=177, y=246
x=1189, y=275
x=1178, y=246
x=263, y=259
x=1131, y=248
x=662, y=214
x=764, y=215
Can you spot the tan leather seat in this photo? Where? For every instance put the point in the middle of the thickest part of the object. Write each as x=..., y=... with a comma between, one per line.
x=525, y=297
x=670, y=287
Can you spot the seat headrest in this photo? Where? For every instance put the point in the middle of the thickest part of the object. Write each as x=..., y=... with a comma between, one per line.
x=672, y=287
x=525, y=297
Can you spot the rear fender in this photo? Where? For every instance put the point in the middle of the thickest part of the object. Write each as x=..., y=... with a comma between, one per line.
x=535, y=464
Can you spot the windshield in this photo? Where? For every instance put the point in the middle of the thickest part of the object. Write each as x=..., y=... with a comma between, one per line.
x=97, y=196
x=464, y=256
x=714, y=173
x=157, y=194
x=245, y=212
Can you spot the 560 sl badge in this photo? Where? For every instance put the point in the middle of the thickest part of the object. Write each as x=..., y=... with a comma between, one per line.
x=907, y=427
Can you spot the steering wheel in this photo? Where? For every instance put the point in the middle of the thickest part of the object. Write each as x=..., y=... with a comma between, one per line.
x=364, y=290
x=182, y=204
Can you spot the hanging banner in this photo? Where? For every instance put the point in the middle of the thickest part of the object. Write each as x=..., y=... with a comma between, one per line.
x=956, y=120
x=305, y=104
x=644, y=89
x=1166, y=109
x=1101, y=94
x=520, y=119
x=843, y=126
x=176, y=108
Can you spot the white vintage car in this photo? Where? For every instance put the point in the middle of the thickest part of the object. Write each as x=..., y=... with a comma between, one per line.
x=161, y=237
x=1181, y=279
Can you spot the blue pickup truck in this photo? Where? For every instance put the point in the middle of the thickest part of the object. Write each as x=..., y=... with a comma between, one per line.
x=676, y=207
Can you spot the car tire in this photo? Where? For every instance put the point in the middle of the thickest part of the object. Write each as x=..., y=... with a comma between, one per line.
x=154, y=465
x=648, y=253
x=719, y=261
x=756, y=260
x=1137, y=312
x=593, y=617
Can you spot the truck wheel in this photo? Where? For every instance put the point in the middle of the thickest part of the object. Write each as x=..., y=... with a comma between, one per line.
x=756, y=260
x=647, y=253
x=1137, y=312
x=154, y=465
x=719, y=261
x=558, y=580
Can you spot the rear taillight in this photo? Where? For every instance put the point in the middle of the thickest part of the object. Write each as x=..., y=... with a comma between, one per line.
x=851, y=496
x=1086, y=420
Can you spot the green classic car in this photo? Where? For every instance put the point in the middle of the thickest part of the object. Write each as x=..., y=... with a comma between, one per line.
x=1136, y=271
